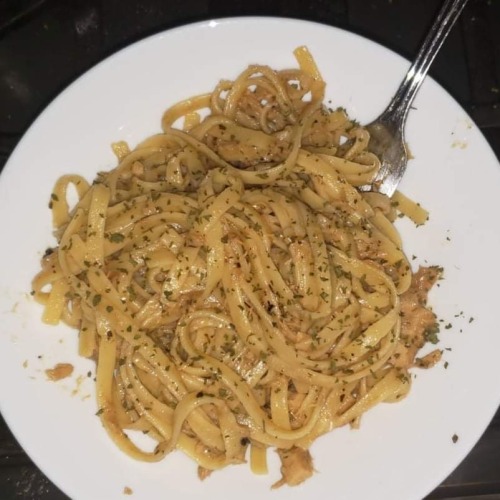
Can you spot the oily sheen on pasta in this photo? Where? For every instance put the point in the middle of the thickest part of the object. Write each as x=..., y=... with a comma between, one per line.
x=236, y=290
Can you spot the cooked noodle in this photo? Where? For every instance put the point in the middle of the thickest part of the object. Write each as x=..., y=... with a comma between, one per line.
x=232, y=284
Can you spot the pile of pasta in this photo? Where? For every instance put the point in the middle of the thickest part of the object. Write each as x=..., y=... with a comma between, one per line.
x=235, y=288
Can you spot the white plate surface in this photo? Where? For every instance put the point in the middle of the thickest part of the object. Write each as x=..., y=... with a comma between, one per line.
x=403, y=450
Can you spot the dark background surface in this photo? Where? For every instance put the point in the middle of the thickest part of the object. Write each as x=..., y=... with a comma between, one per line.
x=46, y=44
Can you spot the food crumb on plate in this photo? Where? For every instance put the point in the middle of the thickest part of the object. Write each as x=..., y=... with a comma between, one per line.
x=203, y=473
x=79, y=381
x=127, y=491
x=60, y=371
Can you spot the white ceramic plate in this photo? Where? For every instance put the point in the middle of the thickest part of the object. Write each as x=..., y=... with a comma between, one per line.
x=402, y=450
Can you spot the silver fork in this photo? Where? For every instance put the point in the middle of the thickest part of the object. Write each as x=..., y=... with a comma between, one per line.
x=387, y=131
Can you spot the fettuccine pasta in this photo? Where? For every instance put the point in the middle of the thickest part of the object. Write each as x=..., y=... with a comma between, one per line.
x=233, y=285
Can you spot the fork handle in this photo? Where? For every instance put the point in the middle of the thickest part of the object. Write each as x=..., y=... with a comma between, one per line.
x=399, y=106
